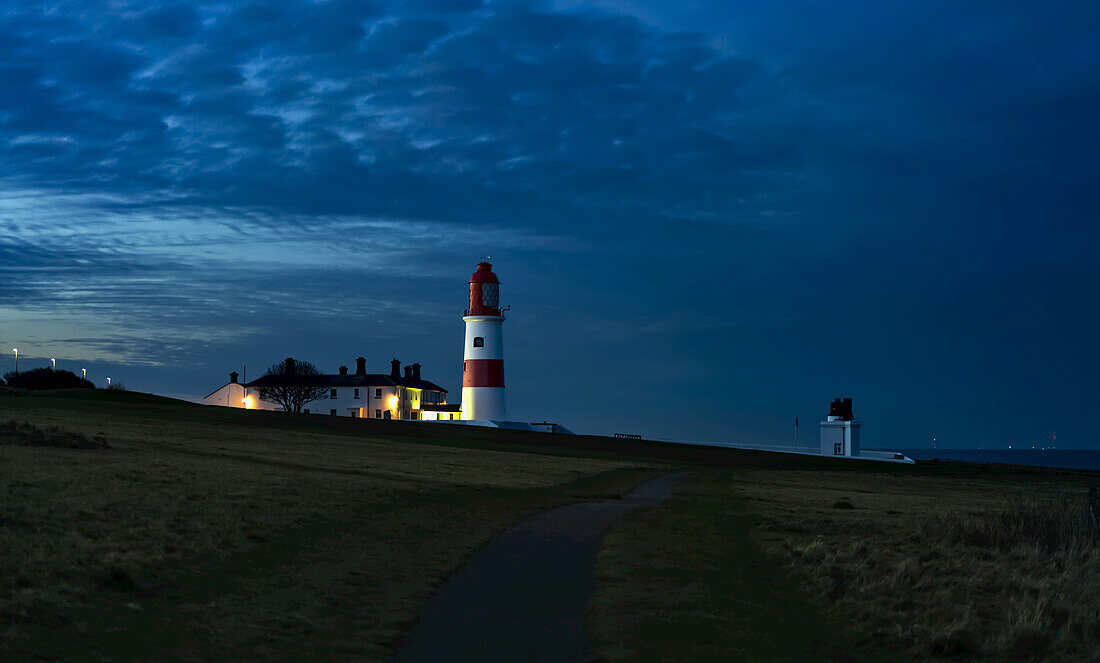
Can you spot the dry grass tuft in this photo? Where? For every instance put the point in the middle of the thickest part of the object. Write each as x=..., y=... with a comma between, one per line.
x=1056, y=524
x=26, y=434
x=944, y=567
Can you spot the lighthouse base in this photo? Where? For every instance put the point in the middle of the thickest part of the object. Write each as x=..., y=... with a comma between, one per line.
x=483, y=403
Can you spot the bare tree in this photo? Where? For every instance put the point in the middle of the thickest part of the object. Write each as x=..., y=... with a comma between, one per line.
x=292, y=384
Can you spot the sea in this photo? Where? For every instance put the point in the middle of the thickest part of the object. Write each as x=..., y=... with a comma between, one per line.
x=1077, y=459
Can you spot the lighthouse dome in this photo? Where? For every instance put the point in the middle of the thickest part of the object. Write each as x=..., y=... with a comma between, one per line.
x=484, y=274
x=484, y=291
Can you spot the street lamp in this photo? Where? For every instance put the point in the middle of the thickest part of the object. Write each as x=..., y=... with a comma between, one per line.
x=53, y=363
x=16, y=351
x=108, y=383
x=84, y=373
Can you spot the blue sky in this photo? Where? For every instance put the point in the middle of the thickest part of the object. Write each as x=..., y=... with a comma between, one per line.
x=708, y=217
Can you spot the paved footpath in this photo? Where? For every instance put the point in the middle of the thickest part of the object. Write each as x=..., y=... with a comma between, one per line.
x=522, y=597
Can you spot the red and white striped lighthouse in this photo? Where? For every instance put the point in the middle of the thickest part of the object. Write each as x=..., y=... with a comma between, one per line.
x=483, y=356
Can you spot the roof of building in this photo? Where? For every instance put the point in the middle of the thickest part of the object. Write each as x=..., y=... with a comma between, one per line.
x=219, y=389
x=350, y=380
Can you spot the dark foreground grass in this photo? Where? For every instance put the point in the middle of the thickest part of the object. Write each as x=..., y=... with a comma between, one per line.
x=925, y=565
x=196, y=536
x=202, y=534
x=685, y=582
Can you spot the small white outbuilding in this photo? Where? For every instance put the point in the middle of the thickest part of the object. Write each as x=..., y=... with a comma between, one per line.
x=840, y=430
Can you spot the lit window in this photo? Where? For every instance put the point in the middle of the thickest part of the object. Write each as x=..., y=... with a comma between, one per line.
x=479, y=342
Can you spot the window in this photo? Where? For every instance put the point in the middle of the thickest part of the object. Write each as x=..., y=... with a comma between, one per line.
x=332, y=394
x=355, y=414
x=838, y=448
x=387, y=415
x=490, y=294
x=479, y=341
x=378, y=393
x=415, y=415
x=378, y=414
x=356, y=394
x=332, y=412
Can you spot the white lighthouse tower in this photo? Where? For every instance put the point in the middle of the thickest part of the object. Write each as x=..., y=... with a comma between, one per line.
x=483, y=354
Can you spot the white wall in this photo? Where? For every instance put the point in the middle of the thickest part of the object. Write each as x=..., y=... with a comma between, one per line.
x=845, y=433
x=346, y=404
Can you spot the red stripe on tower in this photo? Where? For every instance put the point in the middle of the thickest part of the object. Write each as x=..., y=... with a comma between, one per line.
x=483, y=373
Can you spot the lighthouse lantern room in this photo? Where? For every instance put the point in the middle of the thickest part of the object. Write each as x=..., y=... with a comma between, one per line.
x=483, y=354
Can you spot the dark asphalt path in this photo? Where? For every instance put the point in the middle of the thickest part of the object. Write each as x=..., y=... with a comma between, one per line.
x=522, y=597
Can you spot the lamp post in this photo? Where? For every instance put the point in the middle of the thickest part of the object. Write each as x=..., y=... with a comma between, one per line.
x=84, y=373
x=53, y=363
x=108, y=383
x=16, y=351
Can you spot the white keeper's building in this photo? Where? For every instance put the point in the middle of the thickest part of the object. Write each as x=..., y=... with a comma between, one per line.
x=393, y=395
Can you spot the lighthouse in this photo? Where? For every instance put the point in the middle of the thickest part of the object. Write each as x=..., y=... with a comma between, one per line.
x=483, y=354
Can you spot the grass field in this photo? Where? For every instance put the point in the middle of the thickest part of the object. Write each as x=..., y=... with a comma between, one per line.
x=214, y=534
x=139, y=528
x=907, y=565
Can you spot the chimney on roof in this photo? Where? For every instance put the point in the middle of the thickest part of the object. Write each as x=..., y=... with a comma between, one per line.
x=395, y=368
x=361, y=366
x=233, y=377
x=408, y=372
x=343, y=370
x=416, y=371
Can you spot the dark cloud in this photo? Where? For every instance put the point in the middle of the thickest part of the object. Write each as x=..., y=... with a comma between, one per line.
x=515, y=101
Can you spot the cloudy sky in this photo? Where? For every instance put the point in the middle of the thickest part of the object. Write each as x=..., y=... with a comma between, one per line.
x=709, y=216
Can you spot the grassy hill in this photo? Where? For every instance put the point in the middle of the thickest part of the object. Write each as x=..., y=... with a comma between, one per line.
x=209, y=533
x=134, y=527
